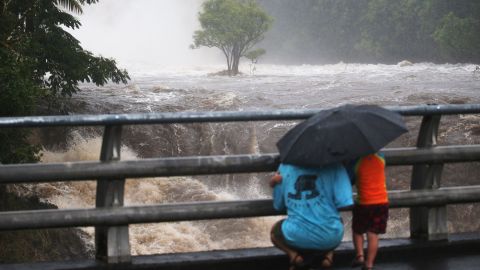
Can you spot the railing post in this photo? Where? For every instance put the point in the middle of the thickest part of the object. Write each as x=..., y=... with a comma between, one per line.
x=111, y=243
x=428, y=223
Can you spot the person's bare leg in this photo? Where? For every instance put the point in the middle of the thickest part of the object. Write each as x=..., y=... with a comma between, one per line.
x=293, y=256
x=372, y=248
x=328, y=260
x=358, y=244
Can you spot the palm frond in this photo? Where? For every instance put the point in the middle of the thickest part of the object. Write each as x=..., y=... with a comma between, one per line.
x=71, y=5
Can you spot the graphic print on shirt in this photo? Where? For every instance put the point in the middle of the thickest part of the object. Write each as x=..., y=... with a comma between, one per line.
x=305, y=183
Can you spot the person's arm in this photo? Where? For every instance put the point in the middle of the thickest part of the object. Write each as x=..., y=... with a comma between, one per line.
x=350, y=168
x=343, y=190
x=277, y=184
x=278, y=201
x=275, y=179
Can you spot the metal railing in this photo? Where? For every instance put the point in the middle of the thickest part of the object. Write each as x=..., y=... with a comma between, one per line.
x=427, y=199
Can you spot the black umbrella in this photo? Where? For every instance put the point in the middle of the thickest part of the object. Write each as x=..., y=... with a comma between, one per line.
x=340, y=134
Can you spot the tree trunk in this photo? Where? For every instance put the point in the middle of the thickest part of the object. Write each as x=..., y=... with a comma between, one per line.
x=236, y=62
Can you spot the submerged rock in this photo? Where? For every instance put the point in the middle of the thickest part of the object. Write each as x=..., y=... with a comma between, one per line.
x=404, y=63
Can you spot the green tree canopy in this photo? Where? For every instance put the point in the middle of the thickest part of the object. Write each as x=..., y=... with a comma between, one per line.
x=387, y=31
x=40, y=60
x=233, y=26
x=459, y=38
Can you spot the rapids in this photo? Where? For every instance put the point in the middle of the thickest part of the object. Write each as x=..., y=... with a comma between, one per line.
x=268, y=87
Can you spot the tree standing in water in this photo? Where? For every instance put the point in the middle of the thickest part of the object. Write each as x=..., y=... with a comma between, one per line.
x=233, y=26
x=253, y=57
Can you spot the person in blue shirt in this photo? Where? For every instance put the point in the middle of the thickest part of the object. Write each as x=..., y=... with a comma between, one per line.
x=312, y=198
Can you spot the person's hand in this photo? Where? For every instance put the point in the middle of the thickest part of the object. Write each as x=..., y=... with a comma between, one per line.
x=276, y=179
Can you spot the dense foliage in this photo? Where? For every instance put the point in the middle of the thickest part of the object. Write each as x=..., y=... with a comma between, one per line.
x=234, y=27
x=374, y=30
x=41, y=61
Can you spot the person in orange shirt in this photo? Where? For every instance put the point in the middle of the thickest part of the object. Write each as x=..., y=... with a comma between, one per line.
x=370, y=213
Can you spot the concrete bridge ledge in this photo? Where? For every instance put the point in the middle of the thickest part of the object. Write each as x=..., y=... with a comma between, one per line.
x=393, y=254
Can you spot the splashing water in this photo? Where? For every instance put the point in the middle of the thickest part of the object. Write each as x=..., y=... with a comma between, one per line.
x=161, y=237
x=273, y=87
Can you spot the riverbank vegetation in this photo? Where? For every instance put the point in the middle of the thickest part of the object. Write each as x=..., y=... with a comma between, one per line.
x=373, y=31
x=42, y=64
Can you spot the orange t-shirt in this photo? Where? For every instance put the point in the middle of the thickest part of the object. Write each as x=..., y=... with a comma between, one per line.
x=370, y=180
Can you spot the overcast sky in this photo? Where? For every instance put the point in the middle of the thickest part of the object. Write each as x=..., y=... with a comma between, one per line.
x=151, y=32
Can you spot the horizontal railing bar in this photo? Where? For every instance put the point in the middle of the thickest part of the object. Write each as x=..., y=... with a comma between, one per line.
x=52, y=172
x=154, y=118
x=219, y=116
x=435, y=197
x=134, y=214
x=203, y=165
x=17, y=220
x=432, y=155
x=435, y=109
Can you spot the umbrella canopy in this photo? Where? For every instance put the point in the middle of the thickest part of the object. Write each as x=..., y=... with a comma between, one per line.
x=340, y=134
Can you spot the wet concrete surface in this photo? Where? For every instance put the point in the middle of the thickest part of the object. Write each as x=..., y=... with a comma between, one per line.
x=425, y=259
x=460, y=251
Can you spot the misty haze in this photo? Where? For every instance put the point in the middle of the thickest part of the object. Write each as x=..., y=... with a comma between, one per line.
x=318, y=54
x=151, y=39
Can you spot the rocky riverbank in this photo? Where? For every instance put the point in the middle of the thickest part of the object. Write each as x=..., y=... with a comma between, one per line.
x=37, y=245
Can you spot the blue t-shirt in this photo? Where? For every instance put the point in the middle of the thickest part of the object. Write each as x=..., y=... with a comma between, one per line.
x=312, y=197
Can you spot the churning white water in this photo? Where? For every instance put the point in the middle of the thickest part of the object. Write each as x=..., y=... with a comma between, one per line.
x=167, y=76
x=271, y=87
